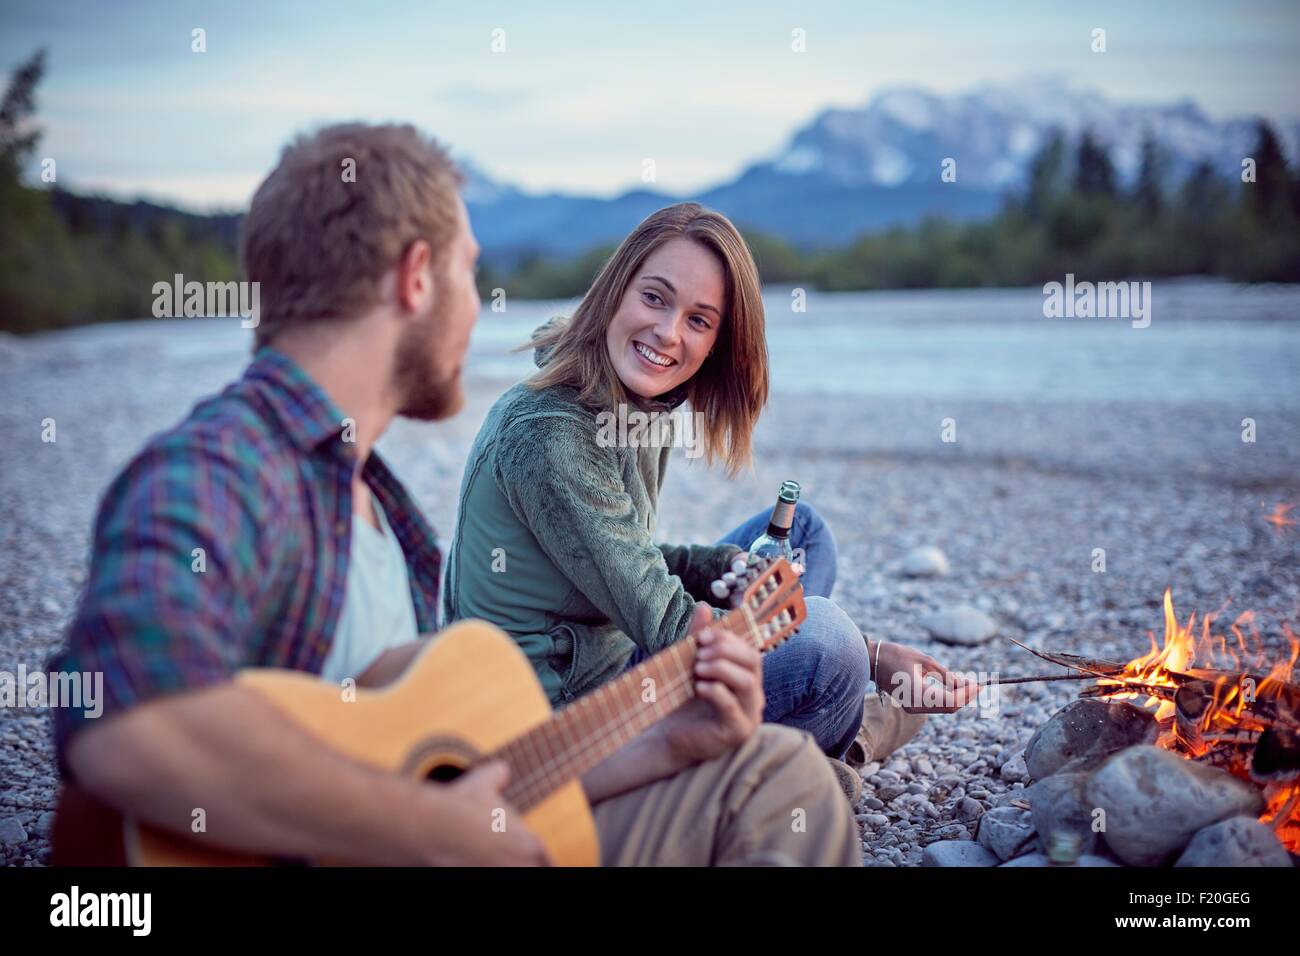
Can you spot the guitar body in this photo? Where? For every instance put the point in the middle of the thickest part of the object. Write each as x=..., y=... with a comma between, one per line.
x=468, y=693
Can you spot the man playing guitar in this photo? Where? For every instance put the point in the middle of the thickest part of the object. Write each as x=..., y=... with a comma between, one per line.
x=263, y=531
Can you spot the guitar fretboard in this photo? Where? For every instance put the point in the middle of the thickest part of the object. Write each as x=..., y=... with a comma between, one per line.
x=595, y=725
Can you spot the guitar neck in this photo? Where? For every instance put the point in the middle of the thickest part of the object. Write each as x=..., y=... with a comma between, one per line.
x=595, y=725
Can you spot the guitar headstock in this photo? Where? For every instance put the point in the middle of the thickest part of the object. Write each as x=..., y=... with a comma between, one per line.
x=766, y=601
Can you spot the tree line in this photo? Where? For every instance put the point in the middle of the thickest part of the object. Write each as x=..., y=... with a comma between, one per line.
x=67, y=259
x=1073, y=216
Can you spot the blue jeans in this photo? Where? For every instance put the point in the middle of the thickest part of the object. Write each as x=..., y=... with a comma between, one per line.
x=817, y=679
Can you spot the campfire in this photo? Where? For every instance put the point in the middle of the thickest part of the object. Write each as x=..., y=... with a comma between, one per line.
x=1219, y=698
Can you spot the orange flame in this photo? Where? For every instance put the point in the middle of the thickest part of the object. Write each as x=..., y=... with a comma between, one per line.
x=1232, y=662
x=1280, y=517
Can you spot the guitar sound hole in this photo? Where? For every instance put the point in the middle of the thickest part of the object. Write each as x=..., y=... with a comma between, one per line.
x=444, y=773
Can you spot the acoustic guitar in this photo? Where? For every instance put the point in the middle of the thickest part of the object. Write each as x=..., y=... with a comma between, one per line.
x=470, y=696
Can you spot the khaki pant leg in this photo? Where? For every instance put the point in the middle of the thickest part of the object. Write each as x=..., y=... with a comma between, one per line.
x=773, y=800
x=885, y=728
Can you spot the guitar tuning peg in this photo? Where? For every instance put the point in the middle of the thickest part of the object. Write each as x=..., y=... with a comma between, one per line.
x=729, y=578
x=739, y=565
x=719, y=589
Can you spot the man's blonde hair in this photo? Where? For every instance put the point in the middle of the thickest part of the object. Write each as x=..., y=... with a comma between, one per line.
x=337, y=212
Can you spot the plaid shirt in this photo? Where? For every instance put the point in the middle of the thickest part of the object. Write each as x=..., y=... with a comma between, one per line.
x=224, y=544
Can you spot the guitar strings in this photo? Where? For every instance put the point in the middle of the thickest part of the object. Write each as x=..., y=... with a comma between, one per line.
x=541, y=780
x=546, y=777
x=574, y=748
x=540, y=776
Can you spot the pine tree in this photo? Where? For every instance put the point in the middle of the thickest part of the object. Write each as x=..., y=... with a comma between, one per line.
x=1203, y=193
x=1149, y=192
x=17, y=137
x=1046, y=176
x=1094, y=174
x=1270, y=193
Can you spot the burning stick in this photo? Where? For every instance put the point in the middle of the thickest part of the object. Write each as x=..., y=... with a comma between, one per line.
x=1098, y=668
x=1129, y=687
x=1237, y=738
x=1225, y=758
x=1191, y=703
x=1274, y=701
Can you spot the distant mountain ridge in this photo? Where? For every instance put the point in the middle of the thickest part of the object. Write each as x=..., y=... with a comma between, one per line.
x=849, y=171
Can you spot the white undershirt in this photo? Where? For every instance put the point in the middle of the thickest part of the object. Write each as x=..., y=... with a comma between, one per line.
x=377, y=610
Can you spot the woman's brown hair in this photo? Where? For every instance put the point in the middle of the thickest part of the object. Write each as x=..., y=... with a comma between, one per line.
x=730, y=389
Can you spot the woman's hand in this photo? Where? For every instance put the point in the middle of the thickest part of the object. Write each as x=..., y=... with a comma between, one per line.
x=919, y=682
x=728, y=706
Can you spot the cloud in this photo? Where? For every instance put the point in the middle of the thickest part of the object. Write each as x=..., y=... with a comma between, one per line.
x=482, y=97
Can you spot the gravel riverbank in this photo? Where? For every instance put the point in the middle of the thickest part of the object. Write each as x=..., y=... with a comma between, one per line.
x=1018, y=503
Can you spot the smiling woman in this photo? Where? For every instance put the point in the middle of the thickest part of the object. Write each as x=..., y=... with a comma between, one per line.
x=675, y=315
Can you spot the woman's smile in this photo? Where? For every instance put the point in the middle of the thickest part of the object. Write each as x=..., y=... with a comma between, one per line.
x=653, y=359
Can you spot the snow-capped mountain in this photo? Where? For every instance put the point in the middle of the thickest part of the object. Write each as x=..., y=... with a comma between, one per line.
x=853, y=170
x=902, y=135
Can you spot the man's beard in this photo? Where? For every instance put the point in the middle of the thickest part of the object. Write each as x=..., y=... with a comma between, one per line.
x=424, y=397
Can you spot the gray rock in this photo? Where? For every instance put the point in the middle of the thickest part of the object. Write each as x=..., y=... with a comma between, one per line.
x=1060, y=808
x=1006, y=832
x=11, y=831
x=1029, y=859
x=925, y=562
x=970, y=809
x=1087, y=730
x=1015, y=769
x=45, y=822
x=1038, y=859
x=1237, y=841
x=957, y=853
x=962, y=625
x=1154, y=801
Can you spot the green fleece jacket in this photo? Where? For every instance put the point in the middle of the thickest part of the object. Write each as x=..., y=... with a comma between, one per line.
x=554, y=542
